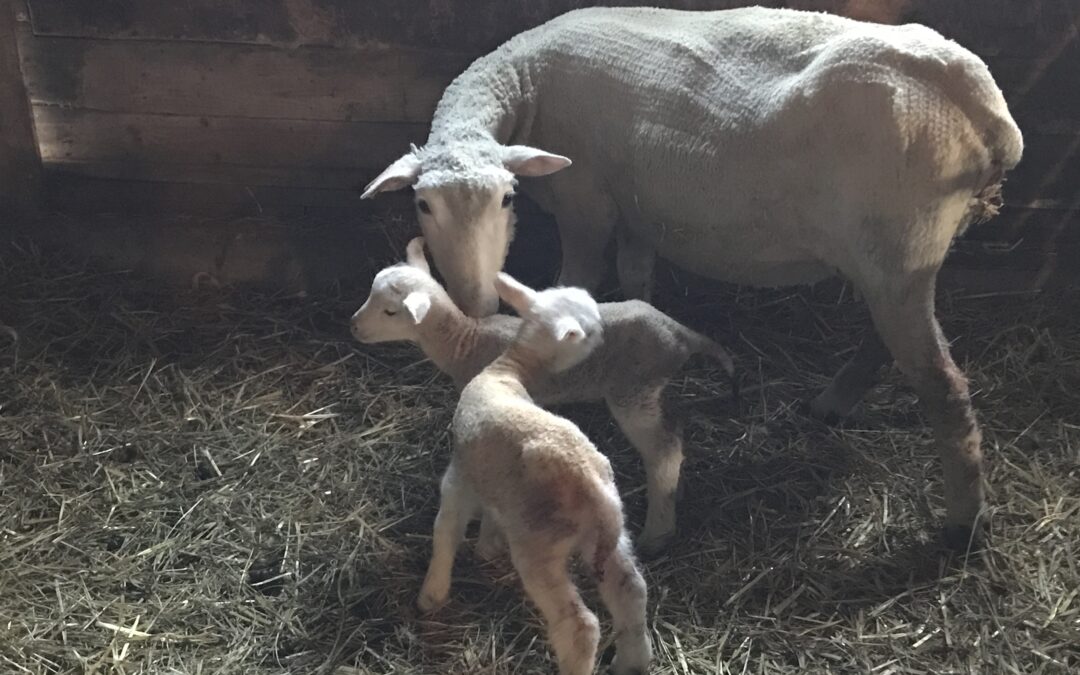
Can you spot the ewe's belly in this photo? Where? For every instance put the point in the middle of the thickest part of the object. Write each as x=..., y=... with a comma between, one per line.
x=757, y=247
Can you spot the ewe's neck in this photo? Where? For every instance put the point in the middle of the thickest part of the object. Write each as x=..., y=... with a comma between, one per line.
x=450, y=339
x=491, y=99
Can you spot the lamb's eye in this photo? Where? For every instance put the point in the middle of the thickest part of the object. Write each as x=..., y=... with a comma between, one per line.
x=508, y=199
x=423, y=206
x=389, y=312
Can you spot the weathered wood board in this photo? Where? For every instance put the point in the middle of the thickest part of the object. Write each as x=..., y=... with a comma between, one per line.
x=20, y=166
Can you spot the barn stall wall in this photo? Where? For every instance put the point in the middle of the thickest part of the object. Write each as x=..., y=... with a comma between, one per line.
x=283, y=107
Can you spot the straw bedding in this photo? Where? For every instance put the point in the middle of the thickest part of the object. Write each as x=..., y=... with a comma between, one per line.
x=219, y=481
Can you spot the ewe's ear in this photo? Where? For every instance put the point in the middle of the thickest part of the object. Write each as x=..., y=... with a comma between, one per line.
x=414, y=255
x=418, y=303
x=514, y=293
x=398, y=175
x=567, y=329
x=521, y=160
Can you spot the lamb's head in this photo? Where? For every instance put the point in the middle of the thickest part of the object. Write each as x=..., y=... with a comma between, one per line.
x=464, y=201
x=561, y=325
x=400, y=298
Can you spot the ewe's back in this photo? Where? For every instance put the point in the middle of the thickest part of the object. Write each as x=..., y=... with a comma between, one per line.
x=742, y=68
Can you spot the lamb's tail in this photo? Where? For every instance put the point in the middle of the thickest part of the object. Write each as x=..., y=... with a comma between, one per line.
x=712, y=349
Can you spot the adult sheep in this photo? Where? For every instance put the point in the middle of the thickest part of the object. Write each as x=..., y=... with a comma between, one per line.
x=758, y=146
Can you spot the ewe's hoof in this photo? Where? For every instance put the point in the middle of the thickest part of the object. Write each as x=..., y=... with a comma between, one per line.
x=962, y=539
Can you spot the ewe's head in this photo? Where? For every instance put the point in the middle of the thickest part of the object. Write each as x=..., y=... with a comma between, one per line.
x=400, y=298
x=465, y=205
x=562, y=325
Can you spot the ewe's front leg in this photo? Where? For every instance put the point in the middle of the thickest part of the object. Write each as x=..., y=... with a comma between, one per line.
x=456, y=509
x=635, y=262
x=905, y=318
x=586, y=217
x=641, y=417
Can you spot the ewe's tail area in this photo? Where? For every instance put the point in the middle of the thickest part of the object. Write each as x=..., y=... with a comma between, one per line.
x=712, y=349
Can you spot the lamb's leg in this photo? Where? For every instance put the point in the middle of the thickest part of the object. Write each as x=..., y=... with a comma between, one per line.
x=623, y=591
x=456, y=508
x=491, y=543
x=852, y=382
x=655, y=436
x=635, y=262
x=904, y=315
x=574, y=631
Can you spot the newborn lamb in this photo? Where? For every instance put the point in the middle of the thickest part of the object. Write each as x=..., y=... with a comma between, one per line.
x=537, y=478
x=642, y=350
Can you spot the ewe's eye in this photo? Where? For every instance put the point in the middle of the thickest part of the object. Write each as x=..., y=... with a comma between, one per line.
x=423, y=206
x=389, y=312
x=508, y=199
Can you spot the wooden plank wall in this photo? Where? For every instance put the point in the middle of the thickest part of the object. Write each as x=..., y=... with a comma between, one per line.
x=20, y=166
x=236, y=107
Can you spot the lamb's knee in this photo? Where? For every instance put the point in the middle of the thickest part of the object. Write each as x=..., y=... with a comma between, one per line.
x=575, y=637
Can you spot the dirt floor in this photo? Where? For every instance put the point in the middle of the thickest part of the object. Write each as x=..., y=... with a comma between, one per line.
x=214, y=481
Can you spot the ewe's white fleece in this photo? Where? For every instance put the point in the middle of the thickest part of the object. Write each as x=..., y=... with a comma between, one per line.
x=756, y=145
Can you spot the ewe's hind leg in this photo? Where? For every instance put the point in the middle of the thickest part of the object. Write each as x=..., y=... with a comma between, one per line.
x=641, y=417
x=904, y=315
x=456, y=508
x=622, y=589
x=574, y=631
x=852, y=382
x=635, y=262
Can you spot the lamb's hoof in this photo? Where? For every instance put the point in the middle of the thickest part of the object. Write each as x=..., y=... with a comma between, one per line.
x=429, y=602
x=654, y=545
x=632, y=659
x=963, y=539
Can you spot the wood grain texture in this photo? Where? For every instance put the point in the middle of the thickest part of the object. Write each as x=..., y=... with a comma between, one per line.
x=20, y=166
x=370, y=84
x=477, y=26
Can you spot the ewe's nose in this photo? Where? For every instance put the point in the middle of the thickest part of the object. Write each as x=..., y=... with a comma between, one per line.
x=481, y=304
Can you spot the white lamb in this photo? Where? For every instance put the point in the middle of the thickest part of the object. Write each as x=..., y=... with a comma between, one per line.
x=642, y=350
x=536, y=477
x=758, y=146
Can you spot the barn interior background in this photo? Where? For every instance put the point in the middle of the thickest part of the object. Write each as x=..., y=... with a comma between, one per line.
x=199, y=479
x=278, y=110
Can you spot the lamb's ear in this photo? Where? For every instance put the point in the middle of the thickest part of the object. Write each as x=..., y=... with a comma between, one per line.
x=521, y=160
x=414, y=255
x=418, y=303
x=514, y=293
x=398, y=175
x=567, y=329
